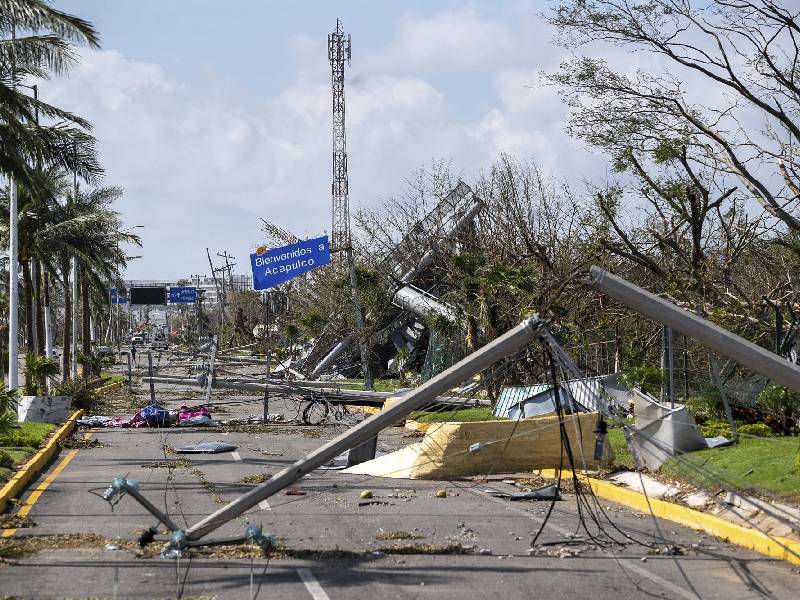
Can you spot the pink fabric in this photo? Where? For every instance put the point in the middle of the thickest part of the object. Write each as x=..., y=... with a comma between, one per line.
x=195, y=411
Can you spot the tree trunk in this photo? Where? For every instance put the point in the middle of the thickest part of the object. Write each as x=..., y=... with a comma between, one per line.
x=66, y=354
x=48, y=322
x=86, y=324
x=38, y=307
x=27, y=284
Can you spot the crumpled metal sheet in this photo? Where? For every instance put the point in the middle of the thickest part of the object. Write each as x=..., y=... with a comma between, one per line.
x=207, y=448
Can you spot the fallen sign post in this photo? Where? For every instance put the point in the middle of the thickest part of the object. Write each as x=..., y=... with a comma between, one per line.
x=279, y=265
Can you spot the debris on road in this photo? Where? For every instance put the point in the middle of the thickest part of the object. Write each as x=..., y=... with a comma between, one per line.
x=74, y=443
x=16, y=522
x=176, y=463
x=441, y=493
x=548, y=492
x=366, y=494
x=256, y=478
x=385, y=536
x=295, y=492
x=207, y=448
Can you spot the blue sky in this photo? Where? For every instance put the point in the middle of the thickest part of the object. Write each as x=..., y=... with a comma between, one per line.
x=213, y=114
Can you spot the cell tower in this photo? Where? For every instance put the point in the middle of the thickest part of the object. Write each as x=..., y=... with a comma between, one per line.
x=338, y=53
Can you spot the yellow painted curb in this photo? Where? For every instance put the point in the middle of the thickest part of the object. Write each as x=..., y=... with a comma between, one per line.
x=22, y=477
x=109, y=386
x=774, y=546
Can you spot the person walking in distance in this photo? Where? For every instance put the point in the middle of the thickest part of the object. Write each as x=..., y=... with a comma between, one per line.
x=133, y=353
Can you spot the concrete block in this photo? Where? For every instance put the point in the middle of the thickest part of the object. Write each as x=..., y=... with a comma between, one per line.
x=44, y=409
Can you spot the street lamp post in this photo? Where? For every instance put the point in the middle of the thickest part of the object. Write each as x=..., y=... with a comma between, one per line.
x=13, y=289
x=13, y=272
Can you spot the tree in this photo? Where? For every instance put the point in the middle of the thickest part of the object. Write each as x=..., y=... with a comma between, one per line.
x=742, y=54
x=45, y=48
x=86, y=227
x=702, y=196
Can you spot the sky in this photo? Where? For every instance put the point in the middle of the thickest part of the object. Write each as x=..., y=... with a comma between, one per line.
x=213, y=115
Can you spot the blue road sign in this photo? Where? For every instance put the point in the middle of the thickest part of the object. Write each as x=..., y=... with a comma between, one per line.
x=118, y=296
x=279, y=265
x=182, y=295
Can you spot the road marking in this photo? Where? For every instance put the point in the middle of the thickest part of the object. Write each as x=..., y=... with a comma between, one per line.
x=264, y=505
x=312, y=585
x=236, y=456
x=659, y=580
x=633, y=567
x=39, y=489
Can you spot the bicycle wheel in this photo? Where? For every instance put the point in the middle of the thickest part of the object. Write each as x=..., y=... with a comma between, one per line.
x=316, y=412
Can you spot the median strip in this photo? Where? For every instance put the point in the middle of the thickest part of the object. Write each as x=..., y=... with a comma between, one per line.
x=23, y=477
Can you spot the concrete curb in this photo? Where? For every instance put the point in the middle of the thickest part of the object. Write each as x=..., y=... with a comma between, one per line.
x=418, y=426
x=22, y=477
x=108, y=387
x=774, y=546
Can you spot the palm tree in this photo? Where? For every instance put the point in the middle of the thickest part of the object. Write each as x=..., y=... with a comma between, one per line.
x=56, y=225
x=86, y=227
x=47, y=48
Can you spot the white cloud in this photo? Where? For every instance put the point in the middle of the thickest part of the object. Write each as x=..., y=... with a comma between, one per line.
x=201, y=160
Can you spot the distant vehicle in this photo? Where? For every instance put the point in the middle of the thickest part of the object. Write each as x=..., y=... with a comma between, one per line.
x=160, y=344
x=105, y=351
x=137, y=339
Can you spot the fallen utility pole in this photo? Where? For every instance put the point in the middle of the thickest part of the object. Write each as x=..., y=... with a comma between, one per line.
x=712, y=336
x=334, y=395
x=479, y=360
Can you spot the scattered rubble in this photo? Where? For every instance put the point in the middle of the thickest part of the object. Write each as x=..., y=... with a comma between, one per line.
x=386, y=536
x=171, y=463
x=256, y=478
x=16, y=522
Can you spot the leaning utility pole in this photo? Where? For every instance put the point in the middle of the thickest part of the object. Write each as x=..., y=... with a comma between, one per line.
x=338, y=52
x=228, y=268
x=220, y=297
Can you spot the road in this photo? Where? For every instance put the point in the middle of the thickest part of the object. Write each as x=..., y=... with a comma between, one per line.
x=332, y=546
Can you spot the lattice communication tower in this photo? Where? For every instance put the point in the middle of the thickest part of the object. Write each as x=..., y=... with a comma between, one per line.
x=338, y=53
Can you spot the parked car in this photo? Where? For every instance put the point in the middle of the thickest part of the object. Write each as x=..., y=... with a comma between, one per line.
x=137, y=339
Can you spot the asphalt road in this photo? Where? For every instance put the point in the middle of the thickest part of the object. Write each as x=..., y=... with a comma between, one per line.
x=333, y=542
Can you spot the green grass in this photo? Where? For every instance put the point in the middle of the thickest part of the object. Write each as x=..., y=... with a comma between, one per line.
x=623, y=457
x=380, y=385
x=22, y=443
x=30, y=434
x=754, y=465
x=462, y=415
x=114, y=377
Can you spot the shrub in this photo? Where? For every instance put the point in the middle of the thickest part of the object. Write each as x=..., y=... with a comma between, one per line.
x=8, y=405
x=83, y=395
x=779, y=401
x=647, y=379
x=6, y=460
x=37, y=370
x=714, y=428
x=705, y=408
x=756, y=429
